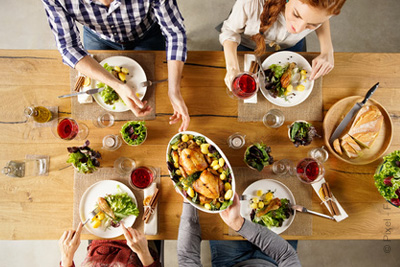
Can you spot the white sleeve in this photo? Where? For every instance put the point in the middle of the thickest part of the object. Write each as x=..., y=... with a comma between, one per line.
x=235, y=24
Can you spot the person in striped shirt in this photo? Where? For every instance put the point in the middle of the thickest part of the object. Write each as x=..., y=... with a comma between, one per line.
x=122, y=25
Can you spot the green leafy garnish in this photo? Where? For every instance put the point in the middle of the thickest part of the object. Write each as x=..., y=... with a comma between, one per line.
x=83, y=158
x=274, y=218
x=122, y=205
x=387, y=178
x=134, y=132
x=257, y=156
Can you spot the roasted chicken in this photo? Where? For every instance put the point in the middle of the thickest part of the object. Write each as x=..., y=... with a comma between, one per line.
x=273, y=205
x=208, y=185
x=191, y=159
x=287, y=75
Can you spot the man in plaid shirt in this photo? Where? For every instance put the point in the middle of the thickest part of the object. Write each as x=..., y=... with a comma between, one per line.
x=122, y=25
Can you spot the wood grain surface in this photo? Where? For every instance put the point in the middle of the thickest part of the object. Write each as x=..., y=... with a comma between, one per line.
x=41, y=207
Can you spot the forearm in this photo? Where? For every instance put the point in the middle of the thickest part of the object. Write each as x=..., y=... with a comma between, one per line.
x=175, y=69
x=324, y=37
x=231, y=59
x=67, y=261
x=90, y=67
x=270, y=243
x=145, y=258
x=189, y=237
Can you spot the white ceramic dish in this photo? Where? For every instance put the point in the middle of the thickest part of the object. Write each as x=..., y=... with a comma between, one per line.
x=89, y=200
x=282, y=58
x=179, y=190
x=280, y=191
x=135, y=77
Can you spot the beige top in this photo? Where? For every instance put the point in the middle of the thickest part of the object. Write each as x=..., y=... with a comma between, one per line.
x=244, y=22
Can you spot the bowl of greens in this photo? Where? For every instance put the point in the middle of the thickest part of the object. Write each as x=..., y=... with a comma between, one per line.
x=83, y=158
x=301, y=133
x=134, y=133
x=257, y=156
x=387, y=178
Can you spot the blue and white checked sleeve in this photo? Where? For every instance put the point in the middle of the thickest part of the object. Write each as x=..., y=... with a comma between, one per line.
x=65, y=32
x=171, y=24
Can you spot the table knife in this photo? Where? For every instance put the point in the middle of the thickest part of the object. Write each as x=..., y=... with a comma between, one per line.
x=305, y=210
x=349, y=116
x=89, y=92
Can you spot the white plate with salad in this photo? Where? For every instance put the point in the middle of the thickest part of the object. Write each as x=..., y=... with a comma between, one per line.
x=296, y=88
x=134, y=77
x=267, y=191
x=121, y=200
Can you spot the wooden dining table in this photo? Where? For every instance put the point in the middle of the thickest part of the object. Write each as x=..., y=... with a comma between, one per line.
x=41, y=207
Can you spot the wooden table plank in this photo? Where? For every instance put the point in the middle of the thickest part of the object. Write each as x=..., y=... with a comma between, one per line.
x=41, y=207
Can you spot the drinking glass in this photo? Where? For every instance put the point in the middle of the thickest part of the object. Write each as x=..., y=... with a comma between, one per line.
x=104, y=120
x=69, y=129
x=310, y=170
x=319, y=153
x=283, y=167
x=111, y=142
x=27, y=167
x=274, y=118
x=245, y=85
x=236, y=140
x=142, y=177
x=124, y=165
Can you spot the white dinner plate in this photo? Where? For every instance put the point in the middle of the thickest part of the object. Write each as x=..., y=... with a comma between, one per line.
x=89, y=200
x=135, y=77
x=280, y=191
x=283, y=58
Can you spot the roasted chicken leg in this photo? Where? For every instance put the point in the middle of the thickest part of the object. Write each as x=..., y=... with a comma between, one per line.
x=208, y=185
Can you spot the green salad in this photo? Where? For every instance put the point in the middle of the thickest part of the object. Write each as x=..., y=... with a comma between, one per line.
x=269, y=211
x=134, y=132
x=83, y=158
x=258, y=156
x=108, y=94
x=387, y=178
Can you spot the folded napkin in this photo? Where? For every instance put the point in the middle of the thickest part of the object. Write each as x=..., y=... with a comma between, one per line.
x=248, y=58
x=343, y=215
x=151, y=228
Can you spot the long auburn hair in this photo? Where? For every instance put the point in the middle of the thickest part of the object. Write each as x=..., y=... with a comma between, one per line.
x=272, y=8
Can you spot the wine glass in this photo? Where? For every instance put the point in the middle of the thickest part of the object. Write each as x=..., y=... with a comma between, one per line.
x=142, y=177
x=69, y=129
x=319, y=153
x=283, y=167
x=310, y=170
x=245, y=85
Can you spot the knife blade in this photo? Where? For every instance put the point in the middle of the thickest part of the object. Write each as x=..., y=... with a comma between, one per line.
x=305, y=210
x=89, y=92
x=350, y=115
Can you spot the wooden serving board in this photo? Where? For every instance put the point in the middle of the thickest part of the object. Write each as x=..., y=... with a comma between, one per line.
x=336, y=114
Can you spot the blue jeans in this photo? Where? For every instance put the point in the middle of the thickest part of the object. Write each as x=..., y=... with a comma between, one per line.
x=151, y=40
x=228, y=253
x=301, y=46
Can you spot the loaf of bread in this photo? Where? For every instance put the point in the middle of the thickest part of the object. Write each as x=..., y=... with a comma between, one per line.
x=362, y=133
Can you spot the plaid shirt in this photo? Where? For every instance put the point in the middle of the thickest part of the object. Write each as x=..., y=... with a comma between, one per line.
x=122, y=21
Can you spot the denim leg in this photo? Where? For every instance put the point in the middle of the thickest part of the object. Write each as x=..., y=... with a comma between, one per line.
x=93, y=42
x=152, y=40
x=227, y=253
x=301, y=46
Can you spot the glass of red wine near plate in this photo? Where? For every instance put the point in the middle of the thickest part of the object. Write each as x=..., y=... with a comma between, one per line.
x=244, y=86
x=142, y=177
x=310, y=170
x=69, y=129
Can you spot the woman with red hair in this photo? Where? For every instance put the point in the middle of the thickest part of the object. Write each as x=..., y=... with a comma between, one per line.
x=268, y=25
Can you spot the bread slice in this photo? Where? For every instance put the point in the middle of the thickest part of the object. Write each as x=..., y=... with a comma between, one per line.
x=347, y=138
x=348, y=150
x=366, y=127
x=337, y=147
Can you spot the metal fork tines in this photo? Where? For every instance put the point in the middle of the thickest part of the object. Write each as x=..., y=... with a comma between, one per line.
x=91, y=215
x=243, y=197
x=150, y=83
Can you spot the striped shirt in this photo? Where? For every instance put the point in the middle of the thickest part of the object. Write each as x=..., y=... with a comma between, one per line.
x=122, y=21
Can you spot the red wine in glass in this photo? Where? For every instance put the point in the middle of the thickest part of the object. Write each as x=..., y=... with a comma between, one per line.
x=67, y=129
x=142, y=177
x=309, y=170
x=244, y=86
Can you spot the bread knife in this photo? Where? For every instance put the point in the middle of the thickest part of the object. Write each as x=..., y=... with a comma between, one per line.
x=350, y=115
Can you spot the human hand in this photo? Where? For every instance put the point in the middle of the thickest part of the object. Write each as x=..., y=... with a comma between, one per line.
x=138, y=107
x=180, y=111
x=69, y=243
x=231, y=216
x=231, y=73
x=322, y=65
x=138, y=243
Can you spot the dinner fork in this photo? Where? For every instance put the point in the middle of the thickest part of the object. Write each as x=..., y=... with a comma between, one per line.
x=91, y=215
x=243, y=197
x=150, y=83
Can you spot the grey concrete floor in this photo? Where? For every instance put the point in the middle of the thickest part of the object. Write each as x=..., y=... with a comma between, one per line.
x=363, y=26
